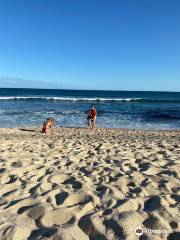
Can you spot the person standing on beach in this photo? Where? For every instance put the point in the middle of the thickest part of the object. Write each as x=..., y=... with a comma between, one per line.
x=91, y=119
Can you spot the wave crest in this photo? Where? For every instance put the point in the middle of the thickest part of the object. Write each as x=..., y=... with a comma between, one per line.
x=71, y=99
x=90, y=99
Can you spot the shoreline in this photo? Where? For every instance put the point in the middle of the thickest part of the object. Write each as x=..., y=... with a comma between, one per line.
x=96, y=129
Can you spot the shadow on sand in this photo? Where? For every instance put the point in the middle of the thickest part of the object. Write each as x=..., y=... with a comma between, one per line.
x=27, y=130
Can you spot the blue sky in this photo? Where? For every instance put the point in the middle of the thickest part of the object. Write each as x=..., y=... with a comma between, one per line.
x=90, y=44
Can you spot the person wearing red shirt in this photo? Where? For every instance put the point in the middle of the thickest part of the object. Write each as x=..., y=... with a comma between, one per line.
x=91, y=119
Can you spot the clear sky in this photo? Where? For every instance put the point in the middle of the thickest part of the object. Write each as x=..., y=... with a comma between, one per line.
x=90, y=44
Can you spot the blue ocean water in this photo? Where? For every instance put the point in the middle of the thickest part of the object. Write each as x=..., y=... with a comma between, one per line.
x=116, y=109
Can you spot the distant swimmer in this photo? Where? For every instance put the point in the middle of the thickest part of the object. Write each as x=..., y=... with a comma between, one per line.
x=91, y=118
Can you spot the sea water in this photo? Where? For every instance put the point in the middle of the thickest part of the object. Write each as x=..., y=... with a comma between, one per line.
x=115, y=109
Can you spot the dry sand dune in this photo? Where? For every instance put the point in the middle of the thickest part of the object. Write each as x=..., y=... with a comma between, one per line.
x=79, y=185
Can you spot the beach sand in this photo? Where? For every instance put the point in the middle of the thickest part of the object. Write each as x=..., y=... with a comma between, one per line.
x=99, y=185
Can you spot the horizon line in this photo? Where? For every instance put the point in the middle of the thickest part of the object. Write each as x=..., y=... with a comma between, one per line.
x=105, y=90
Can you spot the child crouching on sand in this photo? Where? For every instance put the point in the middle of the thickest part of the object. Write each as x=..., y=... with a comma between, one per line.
x=47, y=125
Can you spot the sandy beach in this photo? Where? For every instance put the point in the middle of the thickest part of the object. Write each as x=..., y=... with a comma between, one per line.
x=80, y=185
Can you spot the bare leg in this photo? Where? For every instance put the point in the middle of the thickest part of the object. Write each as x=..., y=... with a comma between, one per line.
x=89, y=123
x=93, y=123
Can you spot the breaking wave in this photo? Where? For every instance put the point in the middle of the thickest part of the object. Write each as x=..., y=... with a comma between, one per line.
x=85, y=99
x=71, y=99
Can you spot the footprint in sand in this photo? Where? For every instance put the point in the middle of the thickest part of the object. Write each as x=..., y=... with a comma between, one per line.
x=173, y=224
x=5, y=179
x=113, y=225
x=60, y=197
x=90, y=227
x=152, y=204
x=76, y=199
x=16, y=164
x=58, y=217
x=2, y=170
x=58, y=178
x=175, y=197
x=144, y=167
x=156, y=222
x=76, y=185
x=174, y=236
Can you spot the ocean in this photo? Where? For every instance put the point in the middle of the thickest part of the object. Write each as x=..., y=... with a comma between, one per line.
x=116, y=109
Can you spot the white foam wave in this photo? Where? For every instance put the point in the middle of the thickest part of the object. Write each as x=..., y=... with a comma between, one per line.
x=72, y=99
